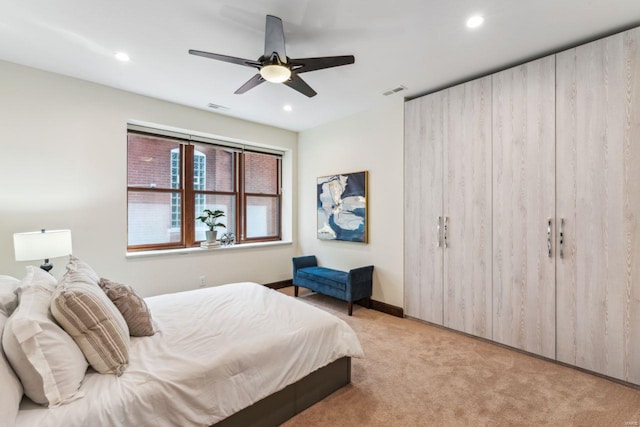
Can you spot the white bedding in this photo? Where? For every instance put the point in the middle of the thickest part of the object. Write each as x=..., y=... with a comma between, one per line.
x=217, y=351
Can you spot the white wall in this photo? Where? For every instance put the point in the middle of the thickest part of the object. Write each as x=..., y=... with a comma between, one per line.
x=63, y=165
x=372, y=141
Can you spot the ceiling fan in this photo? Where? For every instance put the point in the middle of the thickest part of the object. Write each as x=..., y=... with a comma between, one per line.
x=275, y=66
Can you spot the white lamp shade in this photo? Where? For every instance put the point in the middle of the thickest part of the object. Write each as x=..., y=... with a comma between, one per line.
x=42, y=245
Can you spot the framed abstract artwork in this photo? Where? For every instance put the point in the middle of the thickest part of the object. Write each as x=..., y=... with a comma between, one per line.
x=342, y=207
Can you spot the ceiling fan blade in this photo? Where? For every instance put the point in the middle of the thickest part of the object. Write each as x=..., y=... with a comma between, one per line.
x=225, y=58
x=274, y=39
x=300, y=85
x=304, y=65
x=250, y=84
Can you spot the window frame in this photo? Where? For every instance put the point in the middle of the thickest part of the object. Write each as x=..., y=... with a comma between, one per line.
x=277, y=195
x=188, y=193
x=140, y=189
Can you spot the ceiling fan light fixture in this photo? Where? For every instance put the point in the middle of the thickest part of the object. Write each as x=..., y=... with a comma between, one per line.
x=275, y=73
x=275, y=66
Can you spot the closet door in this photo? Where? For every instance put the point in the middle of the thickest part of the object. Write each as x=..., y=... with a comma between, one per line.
x=424, y=135
x=467, y=208
x=598, y=143
x=524, y=207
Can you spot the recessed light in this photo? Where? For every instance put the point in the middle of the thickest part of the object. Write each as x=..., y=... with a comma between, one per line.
x=475, y=21
x=287, y=108
x=121, y=56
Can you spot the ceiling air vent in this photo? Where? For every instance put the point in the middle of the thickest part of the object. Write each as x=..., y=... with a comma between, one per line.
x=217, y=107
x=394, y=90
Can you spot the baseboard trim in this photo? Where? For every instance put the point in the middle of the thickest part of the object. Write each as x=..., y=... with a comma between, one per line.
x=387, y=308
x=375, y=305
x=279, y=285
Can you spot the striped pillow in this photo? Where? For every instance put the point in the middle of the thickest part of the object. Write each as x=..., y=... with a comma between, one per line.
x=85, y=312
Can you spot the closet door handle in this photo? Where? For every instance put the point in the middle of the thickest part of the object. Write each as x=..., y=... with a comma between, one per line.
x=438, y=243
x=446, y=226
x=549, y=237
x=561, y=237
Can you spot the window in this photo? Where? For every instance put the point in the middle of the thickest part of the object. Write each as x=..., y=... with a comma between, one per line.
x=262, y=196
x=199, y=178
x=176, y=210
x=199, y=161
x=172, y=179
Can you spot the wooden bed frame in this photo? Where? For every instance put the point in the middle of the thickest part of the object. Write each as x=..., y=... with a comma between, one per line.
x=277, y=408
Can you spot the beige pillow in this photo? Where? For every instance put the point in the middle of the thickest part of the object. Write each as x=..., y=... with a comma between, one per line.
x=11, y=386
x=131, y=305
x=80, y=271
x=45, y=358
x=8, y=295
x=95, y=324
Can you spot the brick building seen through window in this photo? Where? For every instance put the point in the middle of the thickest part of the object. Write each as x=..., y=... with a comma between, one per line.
x=162, y=209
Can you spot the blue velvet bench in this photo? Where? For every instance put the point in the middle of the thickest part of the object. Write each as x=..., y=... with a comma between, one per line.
x=350, y=286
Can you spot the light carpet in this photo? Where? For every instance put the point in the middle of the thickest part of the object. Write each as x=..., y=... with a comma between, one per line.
x=415, y=374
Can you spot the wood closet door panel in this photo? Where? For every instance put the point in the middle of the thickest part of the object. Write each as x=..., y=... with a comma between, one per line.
x=467, y=204
x=598, y=146
x=523, y=201
x=424, y=135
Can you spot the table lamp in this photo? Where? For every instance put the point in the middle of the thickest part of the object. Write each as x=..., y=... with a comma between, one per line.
x=42, y=245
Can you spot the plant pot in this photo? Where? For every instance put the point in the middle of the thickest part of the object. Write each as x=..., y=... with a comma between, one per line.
x=211, y=236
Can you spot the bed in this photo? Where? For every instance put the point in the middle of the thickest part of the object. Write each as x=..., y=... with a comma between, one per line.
x=238, y=354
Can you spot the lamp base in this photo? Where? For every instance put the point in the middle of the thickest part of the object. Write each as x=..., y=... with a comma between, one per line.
x=46, y=265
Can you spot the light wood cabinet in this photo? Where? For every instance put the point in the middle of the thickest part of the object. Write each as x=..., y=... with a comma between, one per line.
x=448, y=208
x=534, y=173
x=467, y=208
x=524, y=226
x=423, y=259
x=598, y=173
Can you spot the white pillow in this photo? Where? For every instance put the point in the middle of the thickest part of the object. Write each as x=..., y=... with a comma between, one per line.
x=47, y=361
x=8, y=295
x=11, y=387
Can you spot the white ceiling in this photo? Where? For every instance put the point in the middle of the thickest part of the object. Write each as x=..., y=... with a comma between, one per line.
x=421, y=44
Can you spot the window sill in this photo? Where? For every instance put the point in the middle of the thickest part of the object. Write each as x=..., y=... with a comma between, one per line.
x=186, y=251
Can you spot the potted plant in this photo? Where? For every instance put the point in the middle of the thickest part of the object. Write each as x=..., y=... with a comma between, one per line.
x=210, y=217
